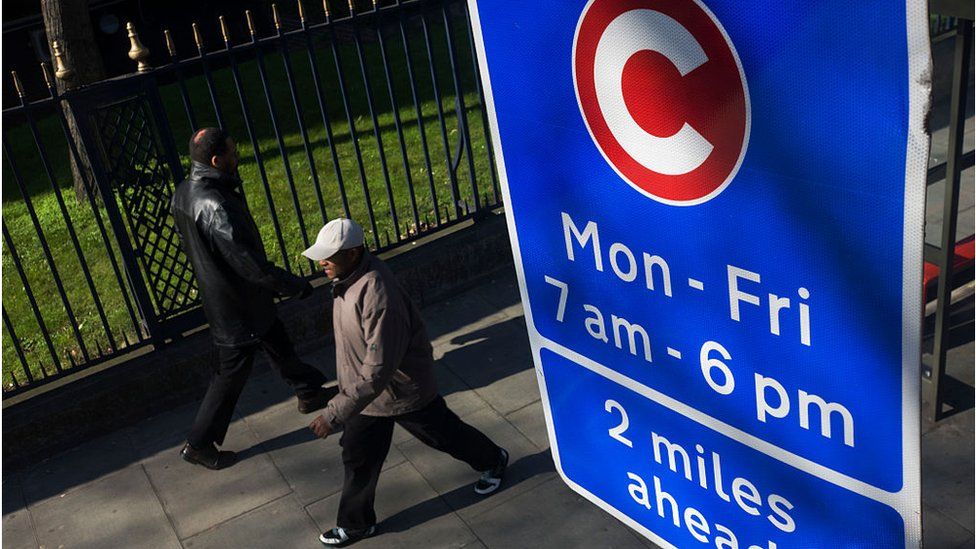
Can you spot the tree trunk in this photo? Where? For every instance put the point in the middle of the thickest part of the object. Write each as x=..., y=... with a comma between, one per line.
x=69, y=22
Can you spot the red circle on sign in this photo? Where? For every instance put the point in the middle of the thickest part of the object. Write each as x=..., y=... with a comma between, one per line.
x=663, y=95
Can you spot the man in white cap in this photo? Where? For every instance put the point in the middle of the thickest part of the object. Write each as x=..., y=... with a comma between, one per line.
x=384, y=364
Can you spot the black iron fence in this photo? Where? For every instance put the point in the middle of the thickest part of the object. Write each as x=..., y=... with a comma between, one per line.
x=375, y=114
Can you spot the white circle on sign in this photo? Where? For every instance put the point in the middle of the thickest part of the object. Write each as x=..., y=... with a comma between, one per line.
x=663, y=95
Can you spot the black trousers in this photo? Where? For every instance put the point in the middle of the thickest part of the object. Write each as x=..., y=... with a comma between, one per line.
x=366, y=441
x=231, y=369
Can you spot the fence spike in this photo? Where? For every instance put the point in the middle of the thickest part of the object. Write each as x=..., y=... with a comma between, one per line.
x=138, y=52
x=169, y=43
x=352, y=9
x=301, y=12
x=17, y=85
x=46, y=71
x=274, y=15
x=197, y=38
x=376, y=4
x=62, y=71
x=223, y=30
x=325, y=6
x=250, y=23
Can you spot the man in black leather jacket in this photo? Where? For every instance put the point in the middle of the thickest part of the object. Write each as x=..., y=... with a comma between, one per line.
x=237, y=286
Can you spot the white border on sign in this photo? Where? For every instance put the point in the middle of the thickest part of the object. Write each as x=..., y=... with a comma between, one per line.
x=913, y=239
x=745, y=137
x=907, y=501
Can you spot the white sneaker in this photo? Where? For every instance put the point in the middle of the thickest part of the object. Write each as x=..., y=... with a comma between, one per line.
x=340, y=537
x=491, y=479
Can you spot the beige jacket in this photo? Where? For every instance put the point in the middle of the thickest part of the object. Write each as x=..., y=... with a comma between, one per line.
x=384, y=360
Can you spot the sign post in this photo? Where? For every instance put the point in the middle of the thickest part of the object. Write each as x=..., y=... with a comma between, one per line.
x=716, y=210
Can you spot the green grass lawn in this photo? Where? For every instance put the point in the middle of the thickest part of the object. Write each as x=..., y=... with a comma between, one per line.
x=42, y=278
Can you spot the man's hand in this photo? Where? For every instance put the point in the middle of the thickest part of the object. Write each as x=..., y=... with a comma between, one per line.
x=320, y=427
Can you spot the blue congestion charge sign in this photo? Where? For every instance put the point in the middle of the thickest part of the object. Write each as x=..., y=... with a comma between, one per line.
x=716, y=209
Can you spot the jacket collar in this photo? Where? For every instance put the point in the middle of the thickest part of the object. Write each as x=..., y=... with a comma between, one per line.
x=199, y=170
x=340, y=285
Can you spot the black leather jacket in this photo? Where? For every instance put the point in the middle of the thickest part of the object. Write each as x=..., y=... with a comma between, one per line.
x=237, y=282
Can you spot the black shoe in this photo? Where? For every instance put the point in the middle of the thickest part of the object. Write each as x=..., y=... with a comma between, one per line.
x=341, y=537
x=315, y=401
x=210, y=457
x=491, y=479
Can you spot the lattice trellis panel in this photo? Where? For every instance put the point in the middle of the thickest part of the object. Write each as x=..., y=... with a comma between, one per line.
x=143, y=185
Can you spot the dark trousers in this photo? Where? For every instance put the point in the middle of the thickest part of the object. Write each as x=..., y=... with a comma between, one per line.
x=231, y=369
x=366, y=441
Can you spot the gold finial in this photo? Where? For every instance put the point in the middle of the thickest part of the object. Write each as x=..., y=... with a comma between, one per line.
x=138, y=52
x=250, y=22
x=223, y=30
x=301, y=11
x=351, y=9
x=46, y=71
x=17, y=85
x=197, y=38
x=274, y=14
x=169, y=43
x=325, y=6
x=61, y=69
x=376, y=4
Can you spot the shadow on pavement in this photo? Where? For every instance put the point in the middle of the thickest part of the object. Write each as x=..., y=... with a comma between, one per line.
x=518, y=471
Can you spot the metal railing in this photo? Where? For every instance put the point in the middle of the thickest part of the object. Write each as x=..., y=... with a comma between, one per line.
x=375, y=114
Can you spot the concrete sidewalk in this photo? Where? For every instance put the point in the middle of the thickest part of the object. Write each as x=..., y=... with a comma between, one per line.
x=130, y=489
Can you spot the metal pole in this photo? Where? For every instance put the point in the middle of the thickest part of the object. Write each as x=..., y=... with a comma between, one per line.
x=950, y=210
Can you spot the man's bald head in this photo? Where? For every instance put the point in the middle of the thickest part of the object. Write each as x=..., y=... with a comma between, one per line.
x=207, y=143
x=214, y=147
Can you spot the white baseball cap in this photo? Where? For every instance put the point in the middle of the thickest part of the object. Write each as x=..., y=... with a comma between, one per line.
x=338, y=234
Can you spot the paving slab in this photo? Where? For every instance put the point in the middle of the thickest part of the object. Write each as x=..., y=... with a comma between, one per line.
x=409, y=514
x=512, y=392
x=117, y=510
x=501, y=292
x=531, y=422
x=280, y=523
x=942, y=532
x=947, y=479
x=78, y=466
x=483, y=356
x=18, y=533
x=454, y=480
x=162, y=431
x=197, y=498
x=551, y=516
x=460, y=398
x=463, y=314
